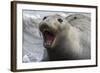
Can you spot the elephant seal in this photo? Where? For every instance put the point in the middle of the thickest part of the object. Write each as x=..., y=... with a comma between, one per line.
x=66, y=38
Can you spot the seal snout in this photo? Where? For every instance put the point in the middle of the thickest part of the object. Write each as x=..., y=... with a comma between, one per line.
x=48, y=35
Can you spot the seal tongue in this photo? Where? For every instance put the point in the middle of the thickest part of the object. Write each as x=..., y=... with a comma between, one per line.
x=49, y=37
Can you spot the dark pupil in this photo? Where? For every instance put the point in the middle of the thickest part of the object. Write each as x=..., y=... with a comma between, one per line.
x=60, y=20
x=44, y=18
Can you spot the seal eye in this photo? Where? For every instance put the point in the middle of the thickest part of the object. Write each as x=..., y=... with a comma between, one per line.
x=75, y=17
x=44, y=18
x=60, y=20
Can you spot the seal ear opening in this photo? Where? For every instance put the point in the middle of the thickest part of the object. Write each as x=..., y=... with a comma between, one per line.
x=76, y=16
x=80, y=21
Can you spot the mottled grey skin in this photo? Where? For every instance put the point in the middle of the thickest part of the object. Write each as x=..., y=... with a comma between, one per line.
x=72, y=39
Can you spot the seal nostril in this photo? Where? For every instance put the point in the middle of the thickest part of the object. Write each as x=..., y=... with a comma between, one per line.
x=43, y=26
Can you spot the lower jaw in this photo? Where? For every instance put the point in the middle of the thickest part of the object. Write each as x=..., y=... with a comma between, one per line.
x=47, y=46
x=51, y=45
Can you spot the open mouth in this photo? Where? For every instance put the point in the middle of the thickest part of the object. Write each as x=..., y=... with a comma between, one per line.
x=48, y=37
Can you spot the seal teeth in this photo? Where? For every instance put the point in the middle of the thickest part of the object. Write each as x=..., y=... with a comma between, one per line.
x=45, y=30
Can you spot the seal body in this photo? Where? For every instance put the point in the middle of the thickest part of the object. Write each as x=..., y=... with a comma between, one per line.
x=63, y=40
